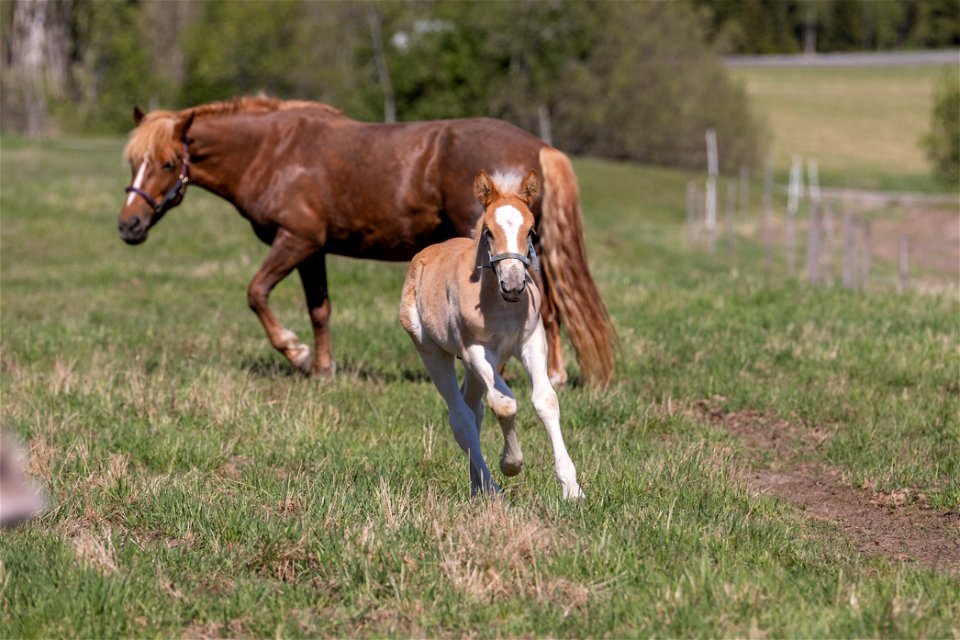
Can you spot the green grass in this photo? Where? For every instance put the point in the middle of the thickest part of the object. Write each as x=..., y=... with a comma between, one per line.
x=200, y=488
x=863, y=125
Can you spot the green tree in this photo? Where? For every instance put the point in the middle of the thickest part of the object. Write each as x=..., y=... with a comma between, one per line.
x=943, y=141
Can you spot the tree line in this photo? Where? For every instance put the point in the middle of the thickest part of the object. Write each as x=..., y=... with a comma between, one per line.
x=822, y=26
x=631, y=80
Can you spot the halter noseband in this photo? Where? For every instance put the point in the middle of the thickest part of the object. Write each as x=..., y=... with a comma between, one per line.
x=174, y=194
x=530, y=262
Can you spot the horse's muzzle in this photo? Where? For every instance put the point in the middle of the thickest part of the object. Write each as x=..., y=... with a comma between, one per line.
x=133, y=230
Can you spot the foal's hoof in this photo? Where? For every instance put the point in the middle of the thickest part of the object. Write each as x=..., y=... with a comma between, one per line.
x=573, y=492
x=510, y=468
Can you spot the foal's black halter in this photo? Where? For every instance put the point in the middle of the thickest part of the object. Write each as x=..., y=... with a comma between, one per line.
x=530, y=262
x=175, y=194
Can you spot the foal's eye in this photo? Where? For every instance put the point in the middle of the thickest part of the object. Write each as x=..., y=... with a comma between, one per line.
x=168, y=166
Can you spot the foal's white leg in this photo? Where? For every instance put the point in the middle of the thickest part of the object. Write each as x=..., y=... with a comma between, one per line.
x=462, y=420
x=482, y=364
x=533, y=354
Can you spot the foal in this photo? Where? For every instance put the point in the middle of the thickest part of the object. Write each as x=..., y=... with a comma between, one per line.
x=473, y=299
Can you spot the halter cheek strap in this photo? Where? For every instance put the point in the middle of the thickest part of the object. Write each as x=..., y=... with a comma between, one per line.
x=174, y=194
x=530, y=262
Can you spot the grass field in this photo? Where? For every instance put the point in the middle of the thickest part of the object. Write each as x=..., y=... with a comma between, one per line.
x=863, y=125
x=201, y=489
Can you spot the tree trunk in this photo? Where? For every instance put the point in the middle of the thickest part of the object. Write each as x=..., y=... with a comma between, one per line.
x=375, y=20
x=37, y=65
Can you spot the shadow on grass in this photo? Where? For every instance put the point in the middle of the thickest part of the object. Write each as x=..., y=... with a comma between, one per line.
x=275, y=368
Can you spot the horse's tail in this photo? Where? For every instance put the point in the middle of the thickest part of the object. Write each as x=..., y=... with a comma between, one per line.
x=566, y=273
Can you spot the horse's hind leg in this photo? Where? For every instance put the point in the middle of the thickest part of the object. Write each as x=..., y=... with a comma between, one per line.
x=442, y=371
x=533, y=354
x=500, y=398
x=313, y=275
x=286, y=252
x=472, y=392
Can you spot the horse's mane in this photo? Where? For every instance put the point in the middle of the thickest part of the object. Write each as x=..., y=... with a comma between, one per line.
x=154, y=136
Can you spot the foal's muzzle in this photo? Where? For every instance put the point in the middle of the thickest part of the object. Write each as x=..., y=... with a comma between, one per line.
x=512, y=278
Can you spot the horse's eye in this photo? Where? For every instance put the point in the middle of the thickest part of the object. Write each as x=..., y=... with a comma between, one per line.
x=168, y=166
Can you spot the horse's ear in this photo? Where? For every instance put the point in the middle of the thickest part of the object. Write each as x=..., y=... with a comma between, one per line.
x=137, y=115
x=183, y=126
x=483, y=188
x=530, y=187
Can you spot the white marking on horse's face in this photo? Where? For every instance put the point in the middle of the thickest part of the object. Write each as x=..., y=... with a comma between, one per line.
x=510, y=220
x=137, y=182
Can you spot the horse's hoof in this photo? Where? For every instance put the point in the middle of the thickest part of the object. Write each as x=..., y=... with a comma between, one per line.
x=511, y=468
x=573, y=493
x=299, y=357
x=322, y=372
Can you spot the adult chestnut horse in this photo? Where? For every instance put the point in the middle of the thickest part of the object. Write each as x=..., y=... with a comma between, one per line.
x=312, y=182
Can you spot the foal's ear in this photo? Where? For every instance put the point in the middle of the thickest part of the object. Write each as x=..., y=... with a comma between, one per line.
x=137, y=116
x=183, y=126
x=483, y=188
x=530, y=188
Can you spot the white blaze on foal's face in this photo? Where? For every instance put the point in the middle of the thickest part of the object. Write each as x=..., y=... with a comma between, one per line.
x=510, y=220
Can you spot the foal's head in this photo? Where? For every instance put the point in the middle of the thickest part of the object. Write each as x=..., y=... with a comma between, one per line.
x=507, y=227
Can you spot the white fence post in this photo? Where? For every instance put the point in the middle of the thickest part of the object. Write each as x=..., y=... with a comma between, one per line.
x=765, y=230
x=813, y=233
x=794, y=195
x=713, y=167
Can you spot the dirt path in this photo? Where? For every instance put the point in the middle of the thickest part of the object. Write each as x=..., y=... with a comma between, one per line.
x=900, y=526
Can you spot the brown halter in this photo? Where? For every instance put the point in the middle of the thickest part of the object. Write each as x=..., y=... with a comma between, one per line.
x=175, y=194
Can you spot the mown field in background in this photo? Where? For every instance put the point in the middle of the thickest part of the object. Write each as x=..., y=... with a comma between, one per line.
x=863, y=125
x=200, y=488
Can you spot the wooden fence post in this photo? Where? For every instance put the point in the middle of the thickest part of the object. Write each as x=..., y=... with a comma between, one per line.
x=813, y=244
x=829, y=247
x=904, y=254
x=866, y=232
x=765, y=230
x=744, y=194
x=849, y=272
x=731, y=212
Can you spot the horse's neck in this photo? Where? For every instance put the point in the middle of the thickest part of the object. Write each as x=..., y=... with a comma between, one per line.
x=224, y=152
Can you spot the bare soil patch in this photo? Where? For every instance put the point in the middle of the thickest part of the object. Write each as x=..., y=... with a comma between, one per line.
x=900, y=526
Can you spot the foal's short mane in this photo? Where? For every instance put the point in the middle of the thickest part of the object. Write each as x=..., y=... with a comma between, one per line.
x=154, y=136
x=508, y=184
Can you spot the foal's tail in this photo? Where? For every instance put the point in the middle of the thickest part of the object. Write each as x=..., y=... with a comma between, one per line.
x=566, y=273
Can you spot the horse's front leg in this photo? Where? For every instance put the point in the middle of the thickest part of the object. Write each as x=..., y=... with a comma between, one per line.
x=286, y=252
x=313, y=275
x=533, y=355
x=551, y=324
x=481, y=364
x=462, y=419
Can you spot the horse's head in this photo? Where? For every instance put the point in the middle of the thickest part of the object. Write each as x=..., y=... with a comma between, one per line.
x=160, y=165
x=507, y=228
